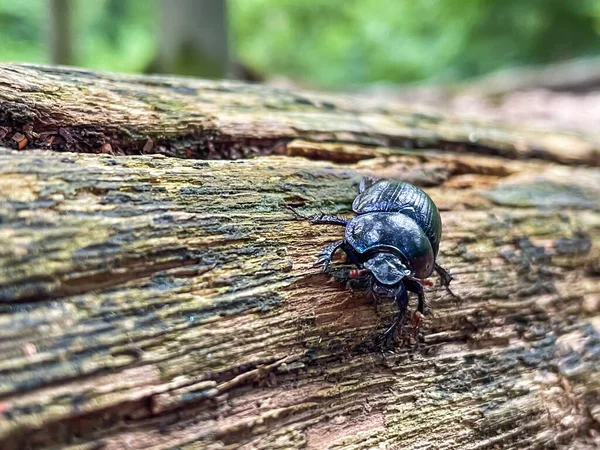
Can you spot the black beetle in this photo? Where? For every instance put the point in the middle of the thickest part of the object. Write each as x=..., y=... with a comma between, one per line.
x=393, y=240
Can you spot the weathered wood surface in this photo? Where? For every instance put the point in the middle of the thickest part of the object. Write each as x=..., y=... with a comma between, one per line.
x=152, y=302
x=124, y=114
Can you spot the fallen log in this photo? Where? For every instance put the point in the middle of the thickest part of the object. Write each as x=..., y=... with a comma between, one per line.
x=156, y=291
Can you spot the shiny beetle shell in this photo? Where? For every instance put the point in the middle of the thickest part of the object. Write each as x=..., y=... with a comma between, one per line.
x=393, y=233
x=400, y=197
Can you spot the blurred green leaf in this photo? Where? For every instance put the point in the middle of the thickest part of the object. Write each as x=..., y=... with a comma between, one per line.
x=358, y=41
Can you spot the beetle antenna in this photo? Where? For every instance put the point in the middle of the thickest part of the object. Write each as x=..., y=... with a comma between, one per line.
x=355, y=273
x=421, y=281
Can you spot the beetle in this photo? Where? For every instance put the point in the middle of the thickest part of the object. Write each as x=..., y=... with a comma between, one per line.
x=393, y=240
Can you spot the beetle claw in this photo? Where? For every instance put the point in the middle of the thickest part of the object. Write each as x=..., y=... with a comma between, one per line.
x=386, y=341
x=324, y=258
x=390, y=335
x=417, y=320
x=296, y=213
x=323, y=263
x=457, y=298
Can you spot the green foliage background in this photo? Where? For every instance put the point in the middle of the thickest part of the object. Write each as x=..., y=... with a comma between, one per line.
x=113, y=35
x=332, y=42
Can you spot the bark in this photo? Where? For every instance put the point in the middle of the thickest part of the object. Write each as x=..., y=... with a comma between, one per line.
x=149, y=301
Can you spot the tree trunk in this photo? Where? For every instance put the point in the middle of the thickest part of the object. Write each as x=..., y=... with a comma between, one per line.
x=149, y=301
x=193, y=38
x=60, y=22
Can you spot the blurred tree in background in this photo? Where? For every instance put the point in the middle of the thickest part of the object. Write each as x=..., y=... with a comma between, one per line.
x=114, y=35
x=329, y=42
x=193, y=39
x=61, y=40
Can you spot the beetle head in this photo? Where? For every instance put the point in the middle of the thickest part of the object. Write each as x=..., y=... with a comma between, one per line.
x=387, y=268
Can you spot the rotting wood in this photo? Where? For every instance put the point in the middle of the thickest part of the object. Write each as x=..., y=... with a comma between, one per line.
x=80, y=110
x=149, y=301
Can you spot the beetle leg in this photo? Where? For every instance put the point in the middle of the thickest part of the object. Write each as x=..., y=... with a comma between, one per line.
x=319, y=219
x=446, y=279
x=326, y=219
x=351, y=256
x=401, y=299
x=326, y=255
x=413, y=285
x=296, y=213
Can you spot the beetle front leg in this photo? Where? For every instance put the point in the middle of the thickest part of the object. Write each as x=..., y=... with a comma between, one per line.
x=326, y=255
x=351, y=255
x=422, y=310
x=417, y=288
